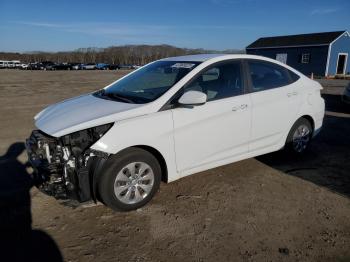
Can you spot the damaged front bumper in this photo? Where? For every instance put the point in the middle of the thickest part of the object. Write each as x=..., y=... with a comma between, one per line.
x=60, y=171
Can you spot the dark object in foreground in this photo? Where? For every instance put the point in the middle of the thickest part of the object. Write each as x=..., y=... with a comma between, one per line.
x=18, y=241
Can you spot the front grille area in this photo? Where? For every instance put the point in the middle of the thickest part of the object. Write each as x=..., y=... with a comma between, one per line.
x=66, y=167
x=45, y=153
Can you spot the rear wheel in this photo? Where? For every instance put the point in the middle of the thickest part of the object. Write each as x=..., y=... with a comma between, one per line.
x=299, y=136
x=130, y=179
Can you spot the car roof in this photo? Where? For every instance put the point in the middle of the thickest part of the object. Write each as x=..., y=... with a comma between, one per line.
x=193, y=58
x=205, y=57
x=223, y=57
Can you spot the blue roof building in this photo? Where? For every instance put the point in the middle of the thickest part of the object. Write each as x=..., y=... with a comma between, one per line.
x=321, y=54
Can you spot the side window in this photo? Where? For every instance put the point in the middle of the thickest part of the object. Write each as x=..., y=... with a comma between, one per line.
x=266, y=75
x=219, y=81
x=211, y=74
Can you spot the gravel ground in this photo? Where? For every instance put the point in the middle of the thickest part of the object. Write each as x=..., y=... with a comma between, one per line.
x=270, y=208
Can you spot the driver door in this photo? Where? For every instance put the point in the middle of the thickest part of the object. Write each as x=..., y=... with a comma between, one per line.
x=219, y=129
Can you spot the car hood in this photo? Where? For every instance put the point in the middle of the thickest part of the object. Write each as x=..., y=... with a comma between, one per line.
x=82, y=112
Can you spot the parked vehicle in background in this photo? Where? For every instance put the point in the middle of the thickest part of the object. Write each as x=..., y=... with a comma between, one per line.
x=3, y=64
x=35, y=66
x=346, y=95
x=76, y=66
x=16, y=63
x=10, y=64
x=13, y=64
x=89, y=66
x=23, y=66
x=170, y=119
x=128, y=67
x=114, y=67
x=62, y=66
x=47, y=65
x=102, y=66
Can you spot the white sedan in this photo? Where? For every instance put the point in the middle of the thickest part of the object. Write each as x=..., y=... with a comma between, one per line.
x=169, y=119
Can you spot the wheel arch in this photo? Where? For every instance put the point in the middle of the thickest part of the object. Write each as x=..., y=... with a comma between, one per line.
x=100, y=162
x=157, y=155
x=310, y=119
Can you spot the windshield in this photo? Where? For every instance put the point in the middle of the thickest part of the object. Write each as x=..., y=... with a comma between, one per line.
x=149, y=82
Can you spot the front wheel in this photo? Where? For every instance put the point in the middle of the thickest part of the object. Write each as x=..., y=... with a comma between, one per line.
x=299, y=136
x=130, y=180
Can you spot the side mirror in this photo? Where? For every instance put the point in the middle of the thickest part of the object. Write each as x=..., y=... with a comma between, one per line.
x=193, y=98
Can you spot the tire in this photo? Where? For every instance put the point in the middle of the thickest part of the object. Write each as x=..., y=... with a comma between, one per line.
x=299, y=137
x=129, y=179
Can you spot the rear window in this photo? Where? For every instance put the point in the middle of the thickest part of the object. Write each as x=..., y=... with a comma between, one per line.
x=265, y=75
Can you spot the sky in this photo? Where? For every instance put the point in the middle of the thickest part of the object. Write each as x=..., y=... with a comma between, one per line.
x=45, y=25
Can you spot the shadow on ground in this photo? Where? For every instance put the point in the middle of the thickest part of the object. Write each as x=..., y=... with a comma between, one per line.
x=18, y=241
x=334, y=103
x=327, y=162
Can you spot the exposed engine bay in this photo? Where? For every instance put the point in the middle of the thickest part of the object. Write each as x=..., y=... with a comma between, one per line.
x=66, y=167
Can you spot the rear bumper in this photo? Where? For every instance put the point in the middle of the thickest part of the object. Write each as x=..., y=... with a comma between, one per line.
x=318, y=124
x=318, y=118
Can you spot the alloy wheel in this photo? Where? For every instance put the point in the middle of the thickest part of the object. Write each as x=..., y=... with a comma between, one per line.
x=134, y=182
x=301, y=138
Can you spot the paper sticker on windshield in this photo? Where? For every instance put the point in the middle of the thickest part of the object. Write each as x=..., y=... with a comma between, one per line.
x=183, y=65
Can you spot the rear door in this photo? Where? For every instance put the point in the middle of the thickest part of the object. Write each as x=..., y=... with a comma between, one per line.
x=275, y=96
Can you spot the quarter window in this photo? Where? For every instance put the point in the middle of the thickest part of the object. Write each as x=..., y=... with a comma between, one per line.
x=265, y=75
x=220, y=81
x=293, y=76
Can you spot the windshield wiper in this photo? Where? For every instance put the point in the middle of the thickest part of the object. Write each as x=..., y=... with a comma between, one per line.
x=121, y=97
x=118, y=97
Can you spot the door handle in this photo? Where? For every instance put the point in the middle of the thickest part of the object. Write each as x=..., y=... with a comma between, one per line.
x=292, y=94
x=241, y=107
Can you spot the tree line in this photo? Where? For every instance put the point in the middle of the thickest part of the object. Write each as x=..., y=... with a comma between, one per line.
x=122, y=55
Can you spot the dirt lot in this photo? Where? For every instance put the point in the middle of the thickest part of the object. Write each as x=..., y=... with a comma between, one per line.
x=270, y=208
